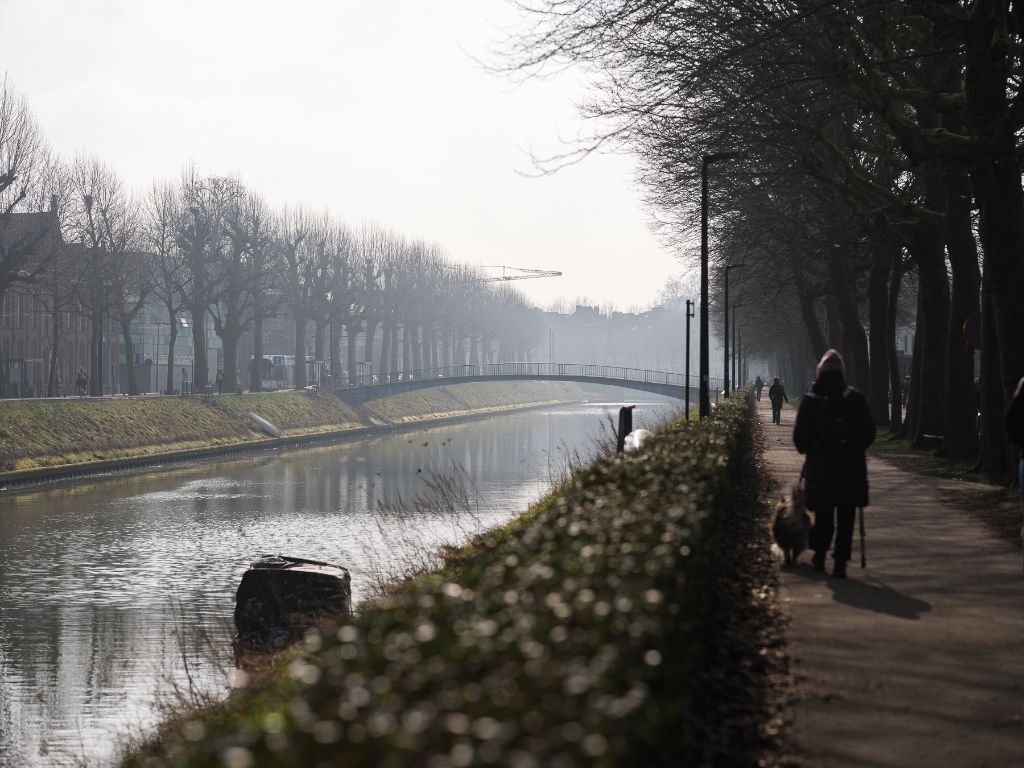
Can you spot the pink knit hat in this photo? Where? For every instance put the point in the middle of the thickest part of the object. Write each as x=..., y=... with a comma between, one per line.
x=830, y=361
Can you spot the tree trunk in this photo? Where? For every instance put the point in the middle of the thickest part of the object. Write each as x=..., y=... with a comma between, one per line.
x=808, y=314
x=388, y=362
x=407, y=363
x=335, y=361
x=51, y=379
x=370, y=340
x=229, y=339
x=318, y=339
x=997, y=183
x=994, y=445
x=200, y=361
x=488, y=354
x=911, y=418
x=96, y=354
x=882, y=263
x=417, y=348
x=960, y=429
x=129, y=356
x=930, y=340
x=256, y=363
x=170, y=352
x=300, y=352
x=834, y=324
x=856, y=342
x=895, y=377
x=352, y=331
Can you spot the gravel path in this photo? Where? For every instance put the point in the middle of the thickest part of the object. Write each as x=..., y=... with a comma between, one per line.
x=919, y=659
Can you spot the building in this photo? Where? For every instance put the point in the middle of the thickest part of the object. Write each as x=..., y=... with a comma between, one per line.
x=37, y=331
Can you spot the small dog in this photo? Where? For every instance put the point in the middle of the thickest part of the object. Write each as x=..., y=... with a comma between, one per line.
x=791, y=524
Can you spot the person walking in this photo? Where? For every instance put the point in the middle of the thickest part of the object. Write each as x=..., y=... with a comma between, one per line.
x=1015, y=431
x=758, y=386
x=82, y=382
x=220, y=381
x=777, y=393
x=833, y=430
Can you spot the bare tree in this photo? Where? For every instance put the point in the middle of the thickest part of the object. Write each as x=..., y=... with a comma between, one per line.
x=161, y=217
x=23, y=155
x=202, y=235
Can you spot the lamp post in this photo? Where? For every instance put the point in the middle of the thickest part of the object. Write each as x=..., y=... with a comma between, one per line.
x=686, y=380
x=725, y=314
x=705, y=360
x=735, y=347
x=738, y=374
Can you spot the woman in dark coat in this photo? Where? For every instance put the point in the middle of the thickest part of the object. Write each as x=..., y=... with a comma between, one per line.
x=834, y=428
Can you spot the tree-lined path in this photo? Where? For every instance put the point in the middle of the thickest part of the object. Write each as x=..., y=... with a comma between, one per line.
x=919, y=659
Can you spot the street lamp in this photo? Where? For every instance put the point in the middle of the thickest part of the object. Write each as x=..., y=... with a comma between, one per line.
x=686, y=382
x=705, y=361
x=725, y=314
x=735, y=348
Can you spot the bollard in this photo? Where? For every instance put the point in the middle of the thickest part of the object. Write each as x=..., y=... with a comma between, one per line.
x=625, y=427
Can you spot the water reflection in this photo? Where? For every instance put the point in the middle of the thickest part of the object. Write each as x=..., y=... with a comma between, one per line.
x=117, y=591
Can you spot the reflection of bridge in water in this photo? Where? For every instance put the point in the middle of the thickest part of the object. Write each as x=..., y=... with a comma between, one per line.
x=358, y=389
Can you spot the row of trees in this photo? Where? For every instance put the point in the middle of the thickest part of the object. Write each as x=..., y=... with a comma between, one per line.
x=876, y=151
x=208, y=247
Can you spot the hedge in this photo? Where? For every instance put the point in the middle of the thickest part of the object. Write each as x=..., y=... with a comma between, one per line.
x=578, y=638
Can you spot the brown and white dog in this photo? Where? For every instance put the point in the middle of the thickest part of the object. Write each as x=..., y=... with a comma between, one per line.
x=791, y=524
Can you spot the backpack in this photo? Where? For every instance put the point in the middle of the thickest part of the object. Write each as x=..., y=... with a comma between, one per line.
x=834, y=415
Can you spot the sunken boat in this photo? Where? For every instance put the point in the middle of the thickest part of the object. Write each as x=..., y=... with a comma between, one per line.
x=280, y=597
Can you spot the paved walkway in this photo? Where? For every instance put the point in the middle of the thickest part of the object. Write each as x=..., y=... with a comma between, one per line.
x=919, y=659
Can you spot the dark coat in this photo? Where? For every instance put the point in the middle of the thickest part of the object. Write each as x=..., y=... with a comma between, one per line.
x=834, y=478
x=777, y=393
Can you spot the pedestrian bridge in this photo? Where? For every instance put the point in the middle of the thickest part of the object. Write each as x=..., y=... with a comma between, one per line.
x=359, y=389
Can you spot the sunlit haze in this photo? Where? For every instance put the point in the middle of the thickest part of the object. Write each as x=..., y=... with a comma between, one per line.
x=377, y=111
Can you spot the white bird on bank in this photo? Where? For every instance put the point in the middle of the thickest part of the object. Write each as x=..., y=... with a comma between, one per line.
x=635, y=439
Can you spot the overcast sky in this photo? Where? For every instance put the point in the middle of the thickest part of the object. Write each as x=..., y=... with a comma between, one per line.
x=376, y=110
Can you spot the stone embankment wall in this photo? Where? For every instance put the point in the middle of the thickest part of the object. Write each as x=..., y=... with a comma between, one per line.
x=625, y=620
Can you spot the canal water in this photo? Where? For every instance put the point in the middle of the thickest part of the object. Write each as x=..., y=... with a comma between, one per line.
x=116, y=595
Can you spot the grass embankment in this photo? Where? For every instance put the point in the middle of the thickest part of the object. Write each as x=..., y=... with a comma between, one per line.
x=996, y=505
x=621, y=622
x=466, y=399
x=54, y=433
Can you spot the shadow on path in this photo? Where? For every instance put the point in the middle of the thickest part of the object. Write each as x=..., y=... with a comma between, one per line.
x=868, y=594
x=877, y=597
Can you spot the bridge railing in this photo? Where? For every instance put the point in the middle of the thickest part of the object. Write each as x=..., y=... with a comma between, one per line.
x=528, y=370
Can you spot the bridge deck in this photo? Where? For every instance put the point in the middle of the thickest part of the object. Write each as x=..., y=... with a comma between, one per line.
x=361, y=388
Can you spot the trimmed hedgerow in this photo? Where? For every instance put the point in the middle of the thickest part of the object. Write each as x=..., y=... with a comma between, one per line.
x=578, y=639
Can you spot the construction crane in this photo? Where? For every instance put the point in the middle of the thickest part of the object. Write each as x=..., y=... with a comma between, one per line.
x=520, y=273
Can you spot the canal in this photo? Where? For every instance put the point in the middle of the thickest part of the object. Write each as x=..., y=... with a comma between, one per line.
x=116, y=594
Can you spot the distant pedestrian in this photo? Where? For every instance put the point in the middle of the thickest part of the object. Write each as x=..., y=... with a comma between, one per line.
x=1015, y=431
x=758, y=386
x=57, y=384
x=82, y=382
x=777, y=393
x=833, y=429
x=905, y=396
x=220, y=382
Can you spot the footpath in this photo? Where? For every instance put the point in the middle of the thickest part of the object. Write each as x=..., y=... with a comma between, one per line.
x=917, y=660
